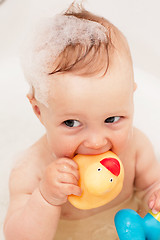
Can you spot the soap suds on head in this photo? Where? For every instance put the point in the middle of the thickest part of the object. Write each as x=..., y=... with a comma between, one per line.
x=50, y=38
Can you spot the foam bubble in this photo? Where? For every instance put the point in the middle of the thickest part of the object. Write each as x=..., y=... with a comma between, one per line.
x=48, y=39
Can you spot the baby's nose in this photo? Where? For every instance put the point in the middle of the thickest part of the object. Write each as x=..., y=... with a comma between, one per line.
x=95, y=141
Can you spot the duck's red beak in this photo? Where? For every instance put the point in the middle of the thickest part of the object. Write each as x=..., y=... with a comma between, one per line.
x=112, y=164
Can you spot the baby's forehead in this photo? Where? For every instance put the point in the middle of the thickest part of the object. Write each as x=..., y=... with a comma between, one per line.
x=115, y=82
x=88, y=99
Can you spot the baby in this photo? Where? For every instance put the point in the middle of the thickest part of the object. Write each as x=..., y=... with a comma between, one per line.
x=81, y=80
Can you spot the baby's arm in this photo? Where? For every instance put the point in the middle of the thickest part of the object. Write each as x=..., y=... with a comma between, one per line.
x=35, y=204
x=147, y=171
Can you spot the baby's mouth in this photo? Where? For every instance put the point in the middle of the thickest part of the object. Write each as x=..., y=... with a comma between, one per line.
x=90, y=153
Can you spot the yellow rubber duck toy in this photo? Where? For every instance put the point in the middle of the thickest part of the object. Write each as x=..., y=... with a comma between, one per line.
x=101, y=180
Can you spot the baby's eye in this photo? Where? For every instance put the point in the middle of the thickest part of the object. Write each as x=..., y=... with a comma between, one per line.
x=72, y=123
x=112, y=119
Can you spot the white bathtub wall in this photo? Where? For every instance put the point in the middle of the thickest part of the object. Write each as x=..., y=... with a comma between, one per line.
x=138, y=19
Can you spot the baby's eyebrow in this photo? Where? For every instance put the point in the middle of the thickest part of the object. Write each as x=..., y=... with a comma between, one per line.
x=69, y=116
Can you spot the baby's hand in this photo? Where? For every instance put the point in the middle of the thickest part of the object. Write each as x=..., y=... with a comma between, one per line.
x=60, y=180
x=154, y=202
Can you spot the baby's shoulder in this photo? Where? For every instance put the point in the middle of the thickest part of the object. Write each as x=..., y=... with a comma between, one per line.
x=29, y=166
x=142, y=145
x=32, y=156
x=140, y=140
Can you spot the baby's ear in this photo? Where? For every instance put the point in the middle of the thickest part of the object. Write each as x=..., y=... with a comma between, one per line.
x=135, y=86
x=35, y=106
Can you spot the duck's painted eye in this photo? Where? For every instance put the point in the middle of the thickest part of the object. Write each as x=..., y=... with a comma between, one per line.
x=99, y=169
x=111, y=180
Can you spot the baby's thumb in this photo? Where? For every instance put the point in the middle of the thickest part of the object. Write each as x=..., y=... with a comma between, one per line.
x=151, y=204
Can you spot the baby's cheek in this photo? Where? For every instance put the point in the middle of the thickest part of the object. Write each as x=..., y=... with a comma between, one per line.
x=54, y=145
x=65, y=148
x=120, y=143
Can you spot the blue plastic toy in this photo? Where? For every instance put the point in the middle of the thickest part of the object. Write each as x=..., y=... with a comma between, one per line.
x=130, y=226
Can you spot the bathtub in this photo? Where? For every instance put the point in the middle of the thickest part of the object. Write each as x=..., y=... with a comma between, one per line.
x=19, y=127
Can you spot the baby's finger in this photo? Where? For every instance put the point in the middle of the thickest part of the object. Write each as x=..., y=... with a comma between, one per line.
x=68, y=168
x=154, y=202
x=67, y=178
x=151, y=202
x=156, y=207
x=69, y=189
x=68, y=161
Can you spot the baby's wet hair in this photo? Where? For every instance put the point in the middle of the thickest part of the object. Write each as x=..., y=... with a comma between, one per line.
x=89, y=57
x=75, y=41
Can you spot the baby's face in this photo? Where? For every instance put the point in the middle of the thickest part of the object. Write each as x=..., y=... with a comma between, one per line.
x=90, y=115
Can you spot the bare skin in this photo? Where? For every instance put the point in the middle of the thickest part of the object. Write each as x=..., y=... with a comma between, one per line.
x=86, y=115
